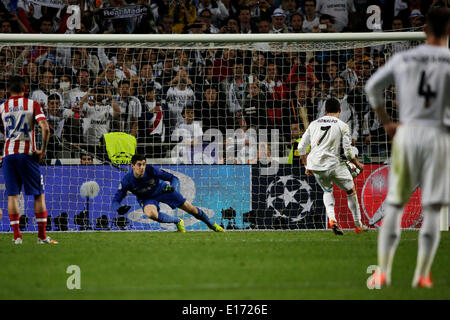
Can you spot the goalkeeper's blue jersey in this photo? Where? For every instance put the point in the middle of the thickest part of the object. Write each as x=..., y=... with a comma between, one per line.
x=147, y=187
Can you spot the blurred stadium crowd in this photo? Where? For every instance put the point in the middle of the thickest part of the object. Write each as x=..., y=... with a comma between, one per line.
x=151, y=93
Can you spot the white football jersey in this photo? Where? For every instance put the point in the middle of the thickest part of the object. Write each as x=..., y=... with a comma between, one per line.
x=328, y=136
x=422, y=80
x=97, y=122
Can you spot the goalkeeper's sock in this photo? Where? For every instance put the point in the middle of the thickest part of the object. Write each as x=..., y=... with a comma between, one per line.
x=203, y=217
x=353, y=205
x=41, y=219
x=388, y=239
x=165, y=218
x=429, y=237
x=328, y=201
x=14, y=219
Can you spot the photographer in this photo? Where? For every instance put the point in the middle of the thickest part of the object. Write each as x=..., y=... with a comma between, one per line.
x=325, y=25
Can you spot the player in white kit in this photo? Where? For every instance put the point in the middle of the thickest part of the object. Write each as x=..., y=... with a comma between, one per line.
x=328, y=137
x=421, y=145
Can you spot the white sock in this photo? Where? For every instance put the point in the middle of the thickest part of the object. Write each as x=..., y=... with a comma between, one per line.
x=388, y=238
x=429, y=237
x=353, y=205
x=328, y=201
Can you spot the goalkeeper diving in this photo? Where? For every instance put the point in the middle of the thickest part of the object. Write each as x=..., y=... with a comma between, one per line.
x=149, y=186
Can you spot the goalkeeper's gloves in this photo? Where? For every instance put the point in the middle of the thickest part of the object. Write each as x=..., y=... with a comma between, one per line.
x=168, y=188
x=123, y=209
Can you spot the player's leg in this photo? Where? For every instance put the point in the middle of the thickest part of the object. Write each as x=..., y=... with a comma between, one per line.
x=429, y=237
x=403, y=177
x=33, y=184
x=324, y=181
x=40, y=211
x=435, y=190
x=344, y=180
x=353, y=205
x=200, y=215
x=14, y=217
x=13, y=183
x=153, y=212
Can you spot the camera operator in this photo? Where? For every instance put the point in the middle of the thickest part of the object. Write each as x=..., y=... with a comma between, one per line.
x=325, y=25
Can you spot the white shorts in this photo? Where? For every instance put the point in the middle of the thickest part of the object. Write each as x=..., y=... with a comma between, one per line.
x=340, y=175
x=420, y=157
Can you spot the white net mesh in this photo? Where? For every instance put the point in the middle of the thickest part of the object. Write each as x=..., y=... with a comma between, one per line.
x=224, y=118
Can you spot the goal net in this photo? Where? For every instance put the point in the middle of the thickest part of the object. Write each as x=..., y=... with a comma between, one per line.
x=224, y=114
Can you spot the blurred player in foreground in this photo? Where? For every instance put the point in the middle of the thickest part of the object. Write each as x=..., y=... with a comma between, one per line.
x=20, y=157
x=147, y=184
x=421, y=146
x=327, y=136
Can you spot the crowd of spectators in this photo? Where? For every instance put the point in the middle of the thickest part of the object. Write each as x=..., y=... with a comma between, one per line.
x=152, y=93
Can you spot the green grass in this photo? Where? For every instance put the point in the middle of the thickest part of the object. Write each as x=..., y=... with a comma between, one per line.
x=207, y=265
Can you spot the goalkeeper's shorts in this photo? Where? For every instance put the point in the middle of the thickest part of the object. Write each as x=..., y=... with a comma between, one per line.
x=173, y=199
x=22, y=170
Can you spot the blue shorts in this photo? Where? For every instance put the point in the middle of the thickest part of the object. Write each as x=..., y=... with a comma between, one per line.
x=173, y=199
x=22, y=169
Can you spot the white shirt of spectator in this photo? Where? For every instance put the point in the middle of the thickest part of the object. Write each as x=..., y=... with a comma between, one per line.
x=42, y=98
x=332, y=134
x=58, y=121
x=74, y=97
x=177, y=99
x=370, y=123
x=350, y=76
x=424, y=67
x=219, y=14
x=189, y=133
x=245, y=154
x=339, y=9
x=129, y=109
x=399, y=5
x=97, y=122
x=308, y=25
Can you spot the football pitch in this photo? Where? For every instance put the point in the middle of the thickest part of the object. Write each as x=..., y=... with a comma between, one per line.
x=212, y=266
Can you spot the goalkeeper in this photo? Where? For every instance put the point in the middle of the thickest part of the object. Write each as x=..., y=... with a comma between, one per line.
x=148, y=185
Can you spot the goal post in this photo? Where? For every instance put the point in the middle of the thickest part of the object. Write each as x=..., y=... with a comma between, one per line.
x=223, y=112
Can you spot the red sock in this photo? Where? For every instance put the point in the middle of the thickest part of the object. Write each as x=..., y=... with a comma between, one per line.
x=41, y=219
x=14, y=222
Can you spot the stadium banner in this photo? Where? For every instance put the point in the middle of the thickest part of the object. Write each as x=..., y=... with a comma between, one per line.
x=372, y=186
x=228, y=186
x=287, y=199
x=50, y=3
x=123, y=12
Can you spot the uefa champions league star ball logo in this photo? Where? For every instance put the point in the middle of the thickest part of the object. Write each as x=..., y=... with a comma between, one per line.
x=289, y=197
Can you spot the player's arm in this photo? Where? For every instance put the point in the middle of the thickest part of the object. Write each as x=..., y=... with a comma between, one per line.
x=42, y=122
x=114, y=104
x=166, y=176
x=303, y=146
x=375, y=87
x=118, y=197
x=348, y=148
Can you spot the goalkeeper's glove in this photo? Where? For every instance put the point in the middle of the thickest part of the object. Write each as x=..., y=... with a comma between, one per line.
x=123, y=209
x=168, y=188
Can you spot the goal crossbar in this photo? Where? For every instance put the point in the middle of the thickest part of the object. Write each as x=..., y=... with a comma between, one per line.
x=211, y=38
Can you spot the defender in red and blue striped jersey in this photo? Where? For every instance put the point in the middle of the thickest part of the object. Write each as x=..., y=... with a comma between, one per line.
x=20, y=157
